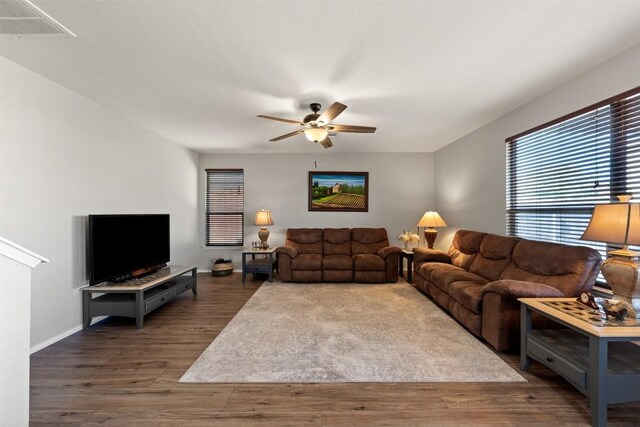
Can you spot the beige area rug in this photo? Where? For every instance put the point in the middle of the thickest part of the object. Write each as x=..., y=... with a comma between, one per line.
x=318, y=333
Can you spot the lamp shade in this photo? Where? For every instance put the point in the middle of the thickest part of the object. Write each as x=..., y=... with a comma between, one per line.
x=431, y=219
x=617, y=223
x=263, y=217
x=316, y=134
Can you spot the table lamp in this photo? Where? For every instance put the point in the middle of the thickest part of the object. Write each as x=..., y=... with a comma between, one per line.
x=263, y=218
x=619, y=223
x=430, y=220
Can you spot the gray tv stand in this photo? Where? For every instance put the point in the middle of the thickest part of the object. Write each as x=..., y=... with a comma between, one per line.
x=137, y=297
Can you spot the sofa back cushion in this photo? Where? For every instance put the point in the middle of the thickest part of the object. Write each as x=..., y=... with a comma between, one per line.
x=494, y=256
x=305, y=240
x=368, y=240
x=570, y=269
x=336, y=241
x=464, y=248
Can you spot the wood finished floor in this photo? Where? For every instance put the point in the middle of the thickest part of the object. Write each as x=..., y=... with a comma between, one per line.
x=116, y=375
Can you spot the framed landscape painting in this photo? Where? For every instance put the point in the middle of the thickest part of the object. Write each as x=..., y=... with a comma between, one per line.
x=339, y=191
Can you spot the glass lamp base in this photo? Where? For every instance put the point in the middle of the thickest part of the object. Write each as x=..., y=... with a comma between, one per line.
x=622, y=274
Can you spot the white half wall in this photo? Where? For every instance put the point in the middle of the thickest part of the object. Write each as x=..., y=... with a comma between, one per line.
x=63, y=157
x=401, y=189
x=470, y=173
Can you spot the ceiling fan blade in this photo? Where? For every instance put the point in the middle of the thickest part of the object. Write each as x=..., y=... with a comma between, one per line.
x=293, y=122
x=326, y=143
x=351, y=128
x=278, y=138
x=331, y=113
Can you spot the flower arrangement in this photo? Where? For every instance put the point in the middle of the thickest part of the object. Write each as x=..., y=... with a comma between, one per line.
x=408, y=237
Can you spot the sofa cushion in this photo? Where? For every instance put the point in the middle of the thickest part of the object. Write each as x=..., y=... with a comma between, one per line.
x=368, y=240
x=464, y=247
x=442, y=278
x=426, y=269
x=337, y=262
x=305, y=240
x=365, y=262
x=336, y=241
x=570, y=269
x=307, y=262
x=469, y=294
x=494, y=256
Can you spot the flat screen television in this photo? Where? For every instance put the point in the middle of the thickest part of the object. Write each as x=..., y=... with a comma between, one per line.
x=125, y=246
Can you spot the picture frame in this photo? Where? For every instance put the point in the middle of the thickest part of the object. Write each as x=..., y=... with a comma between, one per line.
x=337, y=191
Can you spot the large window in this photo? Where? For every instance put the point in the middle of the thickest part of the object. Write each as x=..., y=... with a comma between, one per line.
x=225, y=207
x=558, y=171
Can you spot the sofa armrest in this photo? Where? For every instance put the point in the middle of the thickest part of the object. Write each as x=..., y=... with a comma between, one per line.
x=421, y=255
x=388, y=250
x=521, y=289
x=287, y=250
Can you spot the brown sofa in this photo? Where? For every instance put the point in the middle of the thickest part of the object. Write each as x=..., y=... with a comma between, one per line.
x=338, y=255
x=482, y=276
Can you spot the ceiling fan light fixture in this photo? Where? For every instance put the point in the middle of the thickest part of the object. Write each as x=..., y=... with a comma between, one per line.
x=316, y=134
x=319, y=127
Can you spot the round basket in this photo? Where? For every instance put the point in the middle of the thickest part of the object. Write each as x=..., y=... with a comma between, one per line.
x=223, y=269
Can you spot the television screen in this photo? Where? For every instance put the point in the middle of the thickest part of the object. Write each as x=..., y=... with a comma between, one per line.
x=122, y=244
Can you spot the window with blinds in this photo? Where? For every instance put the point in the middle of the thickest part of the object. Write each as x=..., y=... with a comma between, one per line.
x=558, y=171
x=225, y=207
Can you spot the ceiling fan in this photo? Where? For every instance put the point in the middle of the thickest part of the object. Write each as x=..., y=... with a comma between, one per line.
x=317, y=126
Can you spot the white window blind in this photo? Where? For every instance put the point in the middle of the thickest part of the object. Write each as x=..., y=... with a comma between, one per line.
x=225, y=207
x=558, y=171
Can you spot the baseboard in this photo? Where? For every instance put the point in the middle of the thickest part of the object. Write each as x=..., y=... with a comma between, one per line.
x=63, y=335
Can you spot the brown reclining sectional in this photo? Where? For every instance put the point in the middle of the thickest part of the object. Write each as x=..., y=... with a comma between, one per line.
x=482, y=276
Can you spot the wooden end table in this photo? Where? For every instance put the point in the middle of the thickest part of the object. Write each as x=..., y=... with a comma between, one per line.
x=408, y=255
x=264, y=264
x=600, y=361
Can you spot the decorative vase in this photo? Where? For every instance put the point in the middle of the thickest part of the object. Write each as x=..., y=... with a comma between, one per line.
x=406, y=246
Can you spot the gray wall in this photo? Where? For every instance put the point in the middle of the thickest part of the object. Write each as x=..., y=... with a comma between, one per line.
x=470, y=173
x=63, y=157
x=401, y=189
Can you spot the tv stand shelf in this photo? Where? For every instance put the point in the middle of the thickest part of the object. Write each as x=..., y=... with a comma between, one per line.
x=137, y=297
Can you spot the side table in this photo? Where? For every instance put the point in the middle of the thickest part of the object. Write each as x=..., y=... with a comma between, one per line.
x=600, y=361
x=264, y=264
x=408, y=255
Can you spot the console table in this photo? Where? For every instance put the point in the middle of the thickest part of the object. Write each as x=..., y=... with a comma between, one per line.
x=137, y=297
x=597, y=360
x=264, y=264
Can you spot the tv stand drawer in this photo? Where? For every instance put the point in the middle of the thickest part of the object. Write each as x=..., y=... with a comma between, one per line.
x=158, y=300
x=184, y=284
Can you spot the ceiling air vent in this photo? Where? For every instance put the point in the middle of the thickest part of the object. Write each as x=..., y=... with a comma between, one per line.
x=23, y=18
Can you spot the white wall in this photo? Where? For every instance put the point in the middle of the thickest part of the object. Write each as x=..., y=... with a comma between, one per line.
x=470, y=173
x=63, y=157
x=400, y=191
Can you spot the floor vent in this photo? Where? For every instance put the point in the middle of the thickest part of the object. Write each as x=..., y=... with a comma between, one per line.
x=23, y=18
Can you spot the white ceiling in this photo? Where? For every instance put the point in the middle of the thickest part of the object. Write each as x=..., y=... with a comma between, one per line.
x=425, y=73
